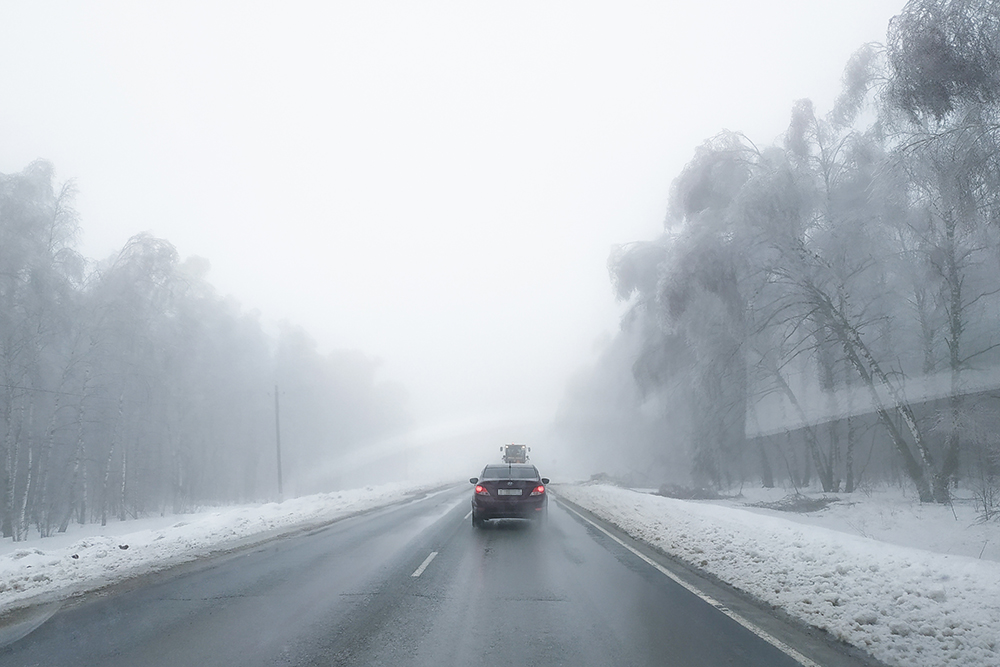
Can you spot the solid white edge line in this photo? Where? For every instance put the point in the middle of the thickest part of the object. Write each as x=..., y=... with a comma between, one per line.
x=423, y=566
x=760, y=632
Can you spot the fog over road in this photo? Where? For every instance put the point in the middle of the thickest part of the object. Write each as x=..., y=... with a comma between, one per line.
x=367, y=591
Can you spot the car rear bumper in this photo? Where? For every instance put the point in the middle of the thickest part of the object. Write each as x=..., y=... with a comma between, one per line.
x=492, y=508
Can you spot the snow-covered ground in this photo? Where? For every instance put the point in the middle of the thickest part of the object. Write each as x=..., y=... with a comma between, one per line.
x=901, y=580
x=89, y=557
x=915, y=585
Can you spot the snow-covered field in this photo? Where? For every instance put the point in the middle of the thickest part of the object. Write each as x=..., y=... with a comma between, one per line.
x=915, y=585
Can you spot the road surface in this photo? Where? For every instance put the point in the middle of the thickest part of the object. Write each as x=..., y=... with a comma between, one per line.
x=416, y=584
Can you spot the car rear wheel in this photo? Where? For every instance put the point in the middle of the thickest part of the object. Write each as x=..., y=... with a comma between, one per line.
x=476, y=521
x=543, y=517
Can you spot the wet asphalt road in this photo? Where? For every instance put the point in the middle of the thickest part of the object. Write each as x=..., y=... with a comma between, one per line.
x=511, y=594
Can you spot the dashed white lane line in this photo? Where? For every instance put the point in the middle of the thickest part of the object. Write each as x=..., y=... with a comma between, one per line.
x=760, y=632
x=423, y=566
x=469, y=514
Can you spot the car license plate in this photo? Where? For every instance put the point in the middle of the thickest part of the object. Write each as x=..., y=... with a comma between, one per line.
x=508, y=492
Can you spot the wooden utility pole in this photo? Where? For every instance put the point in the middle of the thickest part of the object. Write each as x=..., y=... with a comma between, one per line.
x=277, y=437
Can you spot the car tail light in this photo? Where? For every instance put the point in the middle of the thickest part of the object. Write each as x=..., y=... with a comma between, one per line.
x=481, y=490
x=539, y=490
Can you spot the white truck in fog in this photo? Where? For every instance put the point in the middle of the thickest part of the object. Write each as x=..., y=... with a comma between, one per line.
x=515, y=453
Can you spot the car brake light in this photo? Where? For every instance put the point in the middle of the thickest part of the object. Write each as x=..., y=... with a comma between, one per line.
x=539, y=490
x=481, y=490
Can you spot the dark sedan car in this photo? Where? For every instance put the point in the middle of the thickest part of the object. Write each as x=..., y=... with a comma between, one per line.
x=509, y=491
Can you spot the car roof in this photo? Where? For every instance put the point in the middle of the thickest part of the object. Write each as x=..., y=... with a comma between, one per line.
x=497, y=468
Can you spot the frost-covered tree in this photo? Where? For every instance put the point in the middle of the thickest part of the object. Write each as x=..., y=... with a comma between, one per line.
x=857, y=260
x=128, y=386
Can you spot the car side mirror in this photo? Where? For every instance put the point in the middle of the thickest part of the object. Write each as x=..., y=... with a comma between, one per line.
x=473, y=480
x=545, y=480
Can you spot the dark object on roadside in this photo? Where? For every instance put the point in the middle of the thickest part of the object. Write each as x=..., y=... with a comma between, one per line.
x=626, y=480
x=75, y=556
x=123, y=546
x=796, y=502
x=684, y=493
x=511, y=491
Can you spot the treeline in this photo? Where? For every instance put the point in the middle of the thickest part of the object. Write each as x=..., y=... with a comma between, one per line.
x=128, y=386
x=829, y=306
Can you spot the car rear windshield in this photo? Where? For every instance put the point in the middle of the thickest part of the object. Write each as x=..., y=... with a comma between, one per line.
x=510, y=472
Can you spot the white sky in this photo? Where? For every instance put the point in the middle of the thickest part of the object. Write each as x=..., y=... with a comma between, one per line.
x=438, y=184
